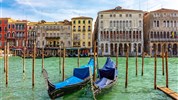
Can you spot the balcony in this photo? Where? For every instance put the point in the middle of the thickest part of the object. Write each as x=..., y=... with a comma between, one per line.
x=52, y=37
x=165, y=39
x=10, y=38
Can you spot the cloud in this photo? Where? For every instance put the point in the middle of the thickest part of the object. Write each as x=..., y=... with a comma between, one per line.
x=55, y=10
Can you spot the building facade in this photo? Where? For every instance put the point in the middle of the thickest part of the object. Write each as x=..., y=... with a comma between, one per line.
x=82, y=32
x=49, y=35
x=14, y=32
x=119, y=28
x=161, y=31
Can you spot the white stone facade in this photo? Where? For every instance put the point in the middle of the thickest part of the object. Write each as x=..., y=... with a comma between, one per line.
x=117, y=28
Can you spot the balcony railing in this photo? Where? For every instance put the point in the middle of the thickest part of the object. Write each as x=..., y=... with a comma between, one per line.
x=165, y=39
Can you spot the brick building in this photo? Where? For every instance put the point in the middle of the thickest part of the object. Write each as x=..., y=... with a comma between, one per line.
x=14, y=32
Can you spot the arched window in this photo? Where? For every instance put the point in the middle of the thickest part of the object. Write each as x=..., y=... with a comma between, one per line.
x=164, y=34
x=155, y=35
x=106, y=47
x=151, y=34
x=167, y=23
x=101, y=35
x=89, y=22
x=167, y=34
x=164, y=23
x=114, y=24
x=102, y=47
x=110, y=23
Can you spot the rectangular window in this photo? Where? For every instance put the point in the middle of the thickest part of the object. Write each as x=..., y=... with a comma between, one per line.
x=5, y=28
x=140, y=23
x=9, y=26
x=89, y=36
x=83, y=35
x=101, y=16
x=130, y=15
x=83, y=43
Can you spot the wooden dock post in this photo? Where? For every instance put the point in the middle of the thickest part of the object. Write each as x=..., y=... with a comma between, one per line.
x=143, y=55
x=136, y=61
x=60, y=50
x=116, y=57
x=63, y=63
x=33, y=65
x=163, y=60
x=5, y=58
x=78, y=61
x=155, y=69
x=126, y=78
x=94, y=50
x=167, y=69
x=42, y=59
x=24, y=60
x=7, y=61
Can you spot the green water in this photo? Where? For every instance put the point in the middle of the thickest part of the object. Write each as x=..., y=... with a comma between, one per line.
x=139, y=88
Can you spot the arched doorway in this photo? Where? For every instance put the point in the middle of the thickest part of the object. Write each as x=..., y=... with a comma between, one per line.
x=111, y=49
x=116, y=47
x=154, y=49
x=170, y=49
x=120, y=49
x=139, y=48
x=175, y=49
x=159, y=48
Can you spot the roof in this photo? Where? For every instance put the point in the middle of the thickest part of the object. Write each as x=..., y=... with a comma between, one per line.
x=165, y=10
x=120, y=9
x=65, y=22
x=82, y=17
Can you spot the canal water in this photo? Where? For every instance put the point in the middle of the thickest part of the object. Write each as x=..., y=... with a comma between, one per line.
x=139, y=88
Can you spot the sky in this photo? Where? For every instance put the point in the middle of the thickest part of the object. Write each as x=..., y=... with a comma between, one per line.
x=59, y=10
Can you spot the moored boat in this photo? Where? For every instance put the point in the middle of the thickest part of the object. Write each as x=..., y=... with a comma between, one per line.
x=80, y=78
x=107, y=77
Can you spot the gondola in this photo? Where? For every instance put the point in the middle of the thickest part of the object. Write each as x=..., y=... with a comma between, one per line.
x=107, y=77
x=80, y=78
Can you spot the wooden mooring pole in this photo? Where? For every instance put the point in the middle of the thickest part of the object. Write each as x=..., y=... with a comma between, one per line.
x=60, y=50
x=143, y=55
x=5, y=58
x=155, y=69
x=42, y=58
x=94, y=50
x=136, y=62
x=78, y=61
x=33, y=65
x=7, y=61
x=126, y=78
x=24, y=60
x=63, y=63
x=163, y=61
x=116, y=57
x=167, y=69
